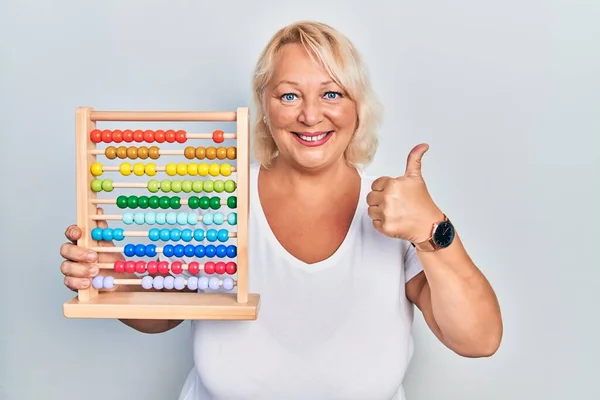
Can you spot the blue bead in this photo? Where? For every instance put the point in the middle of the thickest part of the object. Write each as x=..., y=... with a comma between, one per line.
x=175, y=235
x=118, y=234
x=203, y=283
x=140, y=250
x=186, y=235
x=182, y=218
x=150, y=218
x=165, y=234
x=158, y=282
x=231, y=251
x=207, y=219
x=168, y=282
x=107, y=234
x=171, y=218
x=154, y=234
x=179, y=283
x=168, y=250
x=109, y=282
x=97, y=281
x=221, y=251
x=139, y=218
x=210, y=250
x=151, y=250
x=232, y=218
x=211, y=235
x=97, y=234
x=213, y=283
x=129, y=250
x=128, y=218
x=228, y=283
x=192, y=283
x=192, y=219
x=223, y=235
x=200, y=251
x=161, y=218
x=179, y=250
x=218, y=218
x=189, y=250
x=147, y=282
x=199, y=235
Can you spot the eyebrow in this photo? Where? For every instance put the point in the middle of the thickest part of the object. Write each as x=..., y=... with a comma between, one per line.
x=296, y=83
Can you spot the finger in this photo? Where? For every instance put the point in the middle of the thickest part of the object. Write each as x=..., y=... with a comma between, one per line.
x=375, y=213
x=76, y=253
x=78, y=270
x=77, y=283
x=374, y=198
x=380, y=183
x=73, y=233
x=101, y=223
x=413, y=163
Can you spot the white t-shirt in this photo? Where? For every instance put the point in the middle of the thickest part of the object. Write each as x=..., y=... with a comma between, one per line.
x=337, y=329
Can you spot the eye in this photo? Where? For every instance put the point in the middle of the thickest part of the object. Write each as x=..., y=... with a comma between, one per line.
x=288, y=96
x=333, y=95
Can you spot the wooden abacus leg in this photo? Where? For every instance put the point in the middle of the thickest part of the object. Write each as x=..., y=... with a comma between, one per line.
x=243, y=166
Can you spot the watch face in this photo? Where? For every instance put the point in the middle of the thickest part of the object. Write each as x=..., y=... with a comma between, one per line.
x=444, y=234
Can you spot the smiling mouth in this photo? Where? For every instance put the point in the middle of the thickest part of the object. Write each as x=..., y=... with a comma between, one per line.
x=312, y=137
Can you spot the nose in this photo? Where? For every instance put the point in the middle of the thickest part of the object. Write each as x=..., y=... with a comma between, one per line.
x=311, y=112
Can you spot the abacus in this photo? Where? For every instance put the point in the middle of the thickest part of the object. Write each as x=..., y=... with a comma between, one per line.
x=203, y=197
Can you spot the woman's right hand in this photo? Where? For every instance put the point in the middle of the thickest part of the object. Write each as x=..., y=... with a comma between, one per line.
x=79, y=265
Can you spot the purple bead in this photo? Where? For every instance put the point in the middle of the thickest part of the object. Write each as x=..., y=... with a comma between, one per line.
x=203, y=283
x=97, y=282
x=147, y=282
x=109, y=282
x=228, y=283
x=179, y=283
x=213, y=283
x=168, y=282
x=192, y=283
x=158, y=282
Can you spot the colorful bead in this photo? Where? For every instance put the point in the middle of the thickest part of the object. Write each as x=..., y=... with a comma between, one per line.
x=192, y=283
x=96, y=135
x=218, y=218
x=208, y=186
x=179, y=283
x=181, y=169
x=219, y=186
x=171, y=218
x=223, y=235
x=230, y=186
x=231, y=153
x=220, y=268
x=203, y=169
x=125, y=169
x=232, y=218
x=158, y=282
x=128, y=135
x=175, y=202
x=186, y=235
x=139, y=218
x=96, y=169
x=214, y=169
x=106, y=136
x=143, y=202
x=211, y=153
x=182, y=218
x=138, y=169
x=148, y=136
x=150, y=169
x=230, y=268
x=197, y=186
x=117, y=136
x=96, y=185
x=221, y=153
x=193, y=267
x=189, y=152
x=232, y=202
x=110, y=152
x=228, y=283
x=97, y=281
x=225, y=169
x=132, y=152
x=203, y=283
x=138, y=136
x=213, y=283
x=200, y=152
x=207, y=219
x=147, y=282
x=176, y=186
x=218, y=136
x=165, y=185
x=150, y=218
x=186, y=186
x=171, y=169
x=181, y=136
x=177, y=267
x=215, y=203
x=122, y=152
x=142, y=152
x=128, y=218
x=159, y=136
x=118, y=234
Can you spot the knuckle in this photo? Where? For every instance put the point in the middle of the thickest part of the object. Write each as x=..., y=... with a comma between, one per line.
x=64, y=268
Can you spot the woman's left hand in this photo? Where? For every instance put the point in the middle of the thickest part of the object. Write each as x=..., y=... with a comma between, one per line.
x=402, y=207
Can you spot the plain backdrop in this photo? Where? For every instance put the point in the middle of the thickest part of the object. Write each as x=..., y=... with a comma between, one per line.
x=505, y=93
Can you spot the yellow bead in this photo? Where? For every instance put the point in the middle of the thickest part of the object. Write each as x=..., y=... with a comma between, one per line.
x=138, y=169
x=171, y=169
x=96, y=169
x=214, y=169
x=203, y=169
x=225, y=169
x=125, y=169
x=192, y=169
x=182, y=169
x=150, y=169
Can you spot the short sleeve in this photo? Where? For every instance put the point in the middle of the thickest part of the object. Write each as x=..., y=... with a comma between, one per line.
x=412, y=263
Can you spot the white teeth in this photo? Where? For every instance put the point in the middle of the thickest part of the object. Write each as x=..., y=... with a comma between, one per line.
x=312, y=138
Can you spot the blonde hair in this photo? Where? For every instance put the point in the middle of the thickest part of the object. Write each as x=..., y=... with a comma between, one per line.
x=343, y=62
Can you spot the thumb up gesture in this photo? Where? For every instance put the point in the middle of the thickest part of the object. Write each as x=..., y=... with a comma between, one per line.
x=401, y=207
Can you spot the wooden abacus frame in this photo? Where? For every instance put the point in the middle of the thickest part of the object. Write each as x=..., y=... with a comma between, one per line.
x=173, y=305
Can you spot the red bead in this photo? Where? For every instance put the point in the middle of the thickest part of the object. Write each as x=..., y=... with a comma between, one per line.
x=209, y=267
x=128, y=135
x=152, y=267
x=159, y=136
x=96, y=135
x=193, y=267
x=119, y=266
x=140, y=267
x=220, y=267
x=170, y=136
x=180, y=136
x=138, y=136
x=163, y=267
x=130, y=267
x=218, y=136
x=230, y=268
x=117, y=136
x=177, y=267
x=148, y=136
x=106, y=136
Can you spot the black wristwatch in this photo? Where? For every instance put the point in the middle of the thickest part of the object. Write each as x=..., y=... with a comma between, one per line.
x=442, y=236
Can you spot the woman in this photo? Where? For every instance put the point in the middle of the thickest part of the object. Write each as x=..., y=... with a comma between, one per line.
x=339, y=258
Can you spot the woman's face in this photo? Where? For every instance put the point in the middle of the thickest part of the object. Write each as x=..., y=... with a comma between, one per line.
x=310, y=117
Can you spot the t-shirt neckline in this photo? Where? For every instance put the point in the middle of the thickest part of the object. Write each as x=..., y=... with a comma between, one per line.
x=286, y=255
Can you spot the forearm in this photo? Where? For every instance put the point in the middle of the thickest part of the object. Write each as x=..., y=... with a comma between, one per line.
x=463, y=305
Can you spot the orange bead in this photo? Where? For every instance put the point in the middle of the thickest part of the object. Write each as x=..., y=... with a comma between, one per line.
x=221, y=153
x=218, y=136
x=132, y=152
x=232, y=153
x=153, y=153
x=211, y=153
x=142, y=152
x=189, y=152
x=200, y=153
x=122, y=152
x=110, y=152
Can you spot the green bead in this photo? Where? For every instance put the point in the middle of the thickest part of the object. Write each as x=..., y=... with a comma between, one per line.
x=229, y=186
x=208, y=186
x=143, y=201
x=219, y=186
x=215, y=203
x=176, y=186
x=107, y=185
x=153, y=202
x=96, y=185
x=193, y=202
x=186, y=186
x=197, y=186
x=132, y=202
x=165, y=185
x=163, y=202
x=232, y=202
x=153, y=186
x=175, y=202
x=204, y=202
x=122, y=201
